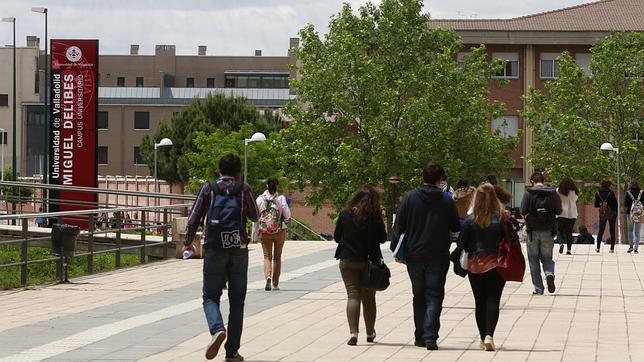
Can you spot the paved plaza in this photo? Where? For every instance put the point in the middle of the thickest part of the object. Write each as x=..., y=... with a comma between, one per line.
x=153, y=313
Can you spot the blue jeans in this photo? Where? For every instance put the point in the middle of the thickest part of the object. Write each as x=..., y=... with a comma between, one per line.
x=540, y=245
x=633, y=232
x=219, y=266
x=428, y=286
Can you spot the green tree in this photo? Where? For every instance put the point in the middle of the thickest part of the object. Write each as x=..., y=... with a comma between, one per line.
x=216, y=112
x=577, y=113
x=264, y=158
x=382, y=94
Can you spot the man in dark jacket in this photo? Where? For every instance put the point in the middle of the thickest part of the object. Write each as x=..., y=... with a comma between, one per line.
x=426, y=217
x=540, y=206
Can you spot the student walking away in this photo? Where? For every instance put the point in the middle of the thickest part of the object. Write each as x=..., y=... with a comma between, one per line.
x=606, y=203
x=226, y=203
x=40, y=220
x=359, y=231
x=568, y=193
x=503, y=196
x=273, y=211
x=634, y=205
x=541, y=205
x=463, y=197
x=480, y=238
x=426, y=217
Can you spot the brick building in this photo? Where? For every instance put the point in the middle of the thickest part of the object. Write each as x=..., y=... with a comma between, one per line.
x=530, y=46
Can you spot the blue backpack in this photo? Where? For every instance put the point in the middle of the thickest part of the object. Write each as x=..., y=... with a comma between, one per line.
x=224, y=219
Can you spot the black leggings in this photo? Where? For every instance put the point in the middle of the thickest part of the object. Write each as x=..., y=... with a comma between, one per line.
x=487, y=288
x=564, y=228
x=611, y=230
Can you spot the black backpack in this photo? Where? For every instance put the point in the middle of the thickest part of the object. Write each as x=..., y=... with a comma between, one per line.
x=224, y=220
x=541, y=214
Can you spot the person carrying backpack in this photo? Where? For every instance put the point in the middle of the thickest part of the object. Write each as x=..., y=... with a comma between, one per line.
x=634, y=205
x=273, y=211
x=226, y=204
x=606, y=203
x=540, y=206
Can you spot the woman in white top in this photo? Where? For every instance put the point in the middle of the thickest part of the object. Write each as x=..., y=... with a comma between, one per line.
x=273, y=211
x=568, y=192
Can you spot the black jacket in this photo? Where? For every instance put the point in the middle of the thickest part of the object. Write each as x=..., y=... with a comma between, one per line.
x=359, y=243
x=478, y=241
x=426, y=216
x=628, y=201
x=607, y=194
x=529, y=196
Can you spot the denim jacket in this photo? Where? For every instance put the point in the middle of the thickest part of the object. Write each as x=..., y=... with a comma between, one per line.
x=478, y=241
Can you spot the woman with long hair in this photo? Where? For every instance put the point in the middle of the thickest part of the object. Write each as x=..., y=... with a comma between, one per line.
x=606, y=202
x=568, y=193
x=633, y=219
x=273, y=211
x=359, y=232
x=480, y=238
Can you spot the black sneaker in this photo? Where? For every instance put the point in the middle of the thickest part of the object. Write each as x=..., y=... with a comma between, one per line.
x=419, y=343
x=537, y=292
x=636, y=252
x=561, y=247
x=268, y=284
x=629, y=250
x=236, y=357
x=352, y=341
x=431, y=345
x=550, y=280
x=568, y=252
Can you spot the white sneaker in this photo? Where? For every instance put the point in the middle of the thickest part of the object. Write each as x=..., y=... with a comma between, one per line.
x=489, y=343
x=214, y=345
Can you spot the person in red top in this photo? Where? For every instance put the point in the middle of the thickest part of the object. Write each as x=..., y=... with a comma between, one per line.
x=480, y=237
x=226, y=251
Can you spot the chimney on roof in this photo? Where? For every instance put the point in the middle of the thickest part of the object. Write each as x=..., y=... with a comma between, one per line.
x=258, y=52
x=134, y=49
x=33, y=41
x=202, y=49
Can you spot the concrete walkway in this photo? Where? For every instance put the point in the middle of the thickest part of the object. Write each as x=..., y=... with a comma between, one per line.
x=153, y=313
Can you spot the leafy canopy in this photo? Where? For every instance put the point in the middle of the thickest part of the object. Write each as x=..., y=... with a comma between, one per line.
x=577, y=113
x=382, y=94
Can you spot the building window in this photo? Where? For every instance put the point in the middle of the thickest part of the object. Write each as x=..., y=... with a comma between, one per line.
x=4, y=100
x=210, y=83
x=583, y=60
x=103, y=120
x=120, y=81
x=139, y=81
x=256, y=81
x=138, y=159
x=141, y=120
x=460, y=60
x=4, y=138
x=229, y=82
x=549, y=65
x=507, y=126
x=190, y=82
x=510, y=65
x=101, y=156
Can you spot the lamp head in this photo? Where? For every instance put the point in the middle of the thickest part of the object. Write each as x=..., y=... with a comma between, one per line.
x=257, y=137
x=164, y=142
x=393, y=180
x=9, y=20
x=607, y=147
x=39, y=9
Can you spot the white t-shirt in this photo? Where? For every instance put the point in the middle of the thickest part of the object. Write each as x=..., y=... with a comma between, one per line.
x=568, y=205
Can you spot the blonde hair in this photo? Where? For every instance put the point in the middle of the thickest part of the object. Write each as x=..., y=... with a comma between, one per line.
x=486, y=204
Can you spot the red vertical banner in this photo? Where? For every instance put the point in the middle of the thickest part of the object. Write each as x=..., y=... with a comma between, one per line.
x=73, y=135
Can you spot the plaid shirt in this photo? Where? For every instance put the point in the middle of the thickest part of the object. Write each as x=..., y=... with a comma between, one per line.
x=202, y=204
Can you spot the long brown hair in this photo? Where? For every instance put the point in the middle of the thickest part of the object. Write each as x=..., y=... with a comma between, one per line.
x=486, y=204
x=363, y=204
x=566, y=185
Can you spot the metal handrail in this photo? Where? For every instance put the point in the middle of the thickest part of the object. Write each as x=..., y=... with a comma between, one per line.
x=91, y=211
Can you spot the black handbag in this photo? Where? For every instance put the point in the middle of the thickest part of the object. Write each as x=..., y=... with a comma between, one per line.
x=375, y=275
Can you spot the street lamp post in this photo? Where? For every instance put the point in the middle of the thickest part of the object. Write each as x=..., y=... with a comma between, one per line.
x=13, y=159
x=4, y=142
x=257, y=137
x=164, y=142
x=609, y=147
x=45, y=160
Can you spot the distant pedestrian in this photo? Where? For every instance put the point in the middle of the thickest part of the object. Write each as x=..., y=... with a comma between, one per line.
x=568, y=193
x=425, y=218
x=606, y=203
x=40, y=220
x=480, y=238
x=541, y=205
x=463, y=197
x=359, y=232
x=273, y=212
x=226, y=251
x=634, y=206
x=446, y=187
x=504, y=196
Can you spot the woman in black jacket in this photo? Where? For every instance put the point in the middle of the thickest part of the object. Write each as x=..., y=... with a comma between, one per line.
x=605, y=194
x=632, y=226
x=480, y=238
x=359, y=232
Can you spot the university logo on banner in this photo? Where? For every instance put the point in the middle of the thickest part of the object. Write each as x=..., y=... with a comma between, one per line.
x=73, y=134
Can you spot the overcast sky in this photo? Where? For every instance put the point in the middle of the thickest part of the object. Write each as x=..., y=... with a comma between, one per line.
x=227, y=27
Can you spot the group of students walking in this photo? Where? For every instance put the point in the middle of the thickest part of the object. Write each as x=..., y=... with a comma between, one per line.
x=429, y=219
